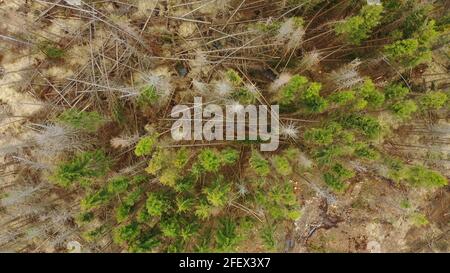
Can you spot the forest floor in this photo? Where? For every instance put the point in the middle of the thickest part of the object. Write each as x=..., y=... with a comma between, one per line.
x=373, y=215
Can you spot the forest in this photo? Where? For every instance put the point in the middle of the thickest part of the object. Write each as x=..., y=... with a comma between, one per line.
x=88, y=162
